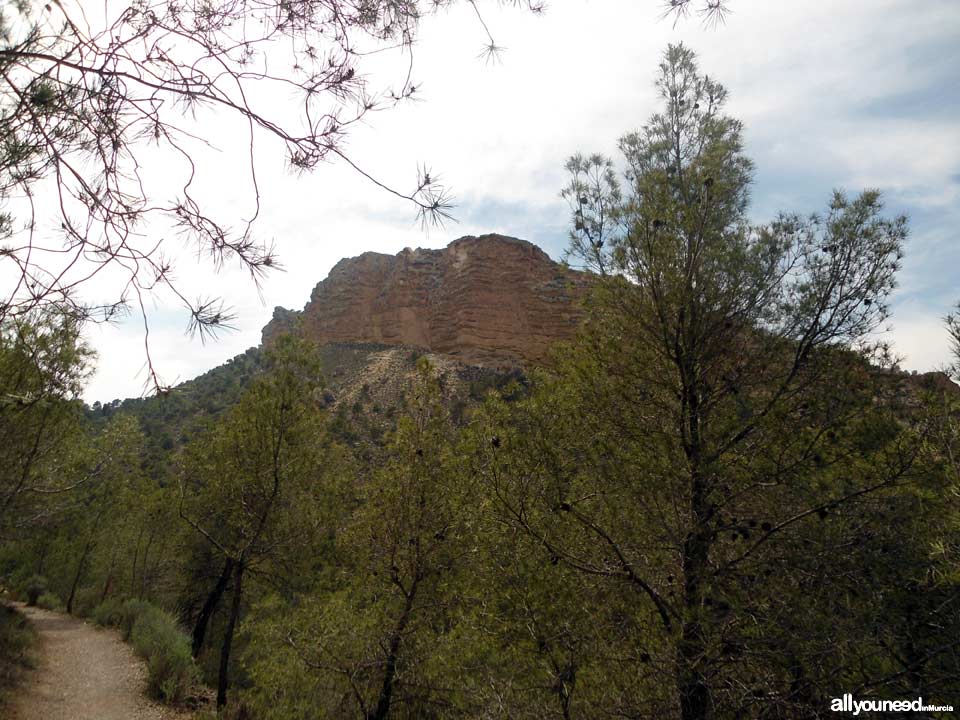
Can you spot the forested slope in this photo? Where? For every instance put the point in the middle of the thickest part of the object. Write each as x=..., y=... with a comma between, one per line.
x=718, y=498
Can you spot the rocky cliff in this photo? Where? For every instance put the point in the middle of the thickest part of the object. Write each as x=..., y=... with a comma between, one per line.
x=491, y=300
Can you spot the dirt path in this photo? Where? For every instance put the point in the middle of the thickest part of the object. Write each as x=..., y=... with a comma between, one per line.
x=85, y=673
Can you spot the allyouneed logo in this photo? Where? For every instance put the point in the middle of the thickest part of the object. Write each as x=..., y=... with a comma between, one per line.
x=855, y=707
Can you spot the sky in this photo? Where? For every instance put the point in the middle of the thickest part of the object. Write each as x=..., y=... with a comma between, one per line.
x=848, y=94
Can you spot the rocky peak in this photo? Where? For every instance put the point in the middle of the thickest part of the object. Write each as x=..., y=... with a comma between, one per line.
x=490, y=300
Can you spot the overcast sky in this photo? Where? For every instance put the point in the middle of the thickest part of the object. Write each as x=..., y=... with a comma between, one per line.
x=833, y=93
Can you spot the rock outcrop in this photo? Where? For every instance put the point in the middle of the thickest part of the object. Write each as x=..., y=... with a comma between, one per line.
x=492, y=300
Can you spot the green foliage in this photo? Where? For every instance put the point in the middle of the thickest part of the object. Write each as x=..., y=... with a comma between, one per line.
x=156, y=637
x=168, y=421
x=108, y=613
x=509, y=384
x=49, y=601
x=34, y=588
x=43, y=363
x=261, y=489
x=732, y=433
x=249, y=481
x=714, y=504
x=130, y=612
x=17, y=640
x=368, y=644
x=86, y=601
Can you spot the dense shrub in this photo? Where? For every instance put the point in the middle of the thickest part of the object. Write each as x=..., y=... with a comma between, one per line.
x=34, y=588
x=16, y=640
x=49, y=601
x=157, y=638
x=130, y=612
x=107, y=613
x=85, y=601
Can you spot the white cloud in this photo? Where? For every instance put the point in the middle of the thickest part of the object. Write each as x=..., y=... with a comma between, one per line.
x=920, y=338
x=803, y=76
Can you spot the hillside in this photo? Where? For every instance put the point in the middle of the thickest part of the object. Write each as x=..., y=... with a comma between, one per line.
x=482, y=310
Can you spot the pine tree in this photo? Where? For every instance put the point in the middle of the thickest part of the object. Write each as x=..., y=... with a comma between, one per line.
x=253, y=488
x=715, y=425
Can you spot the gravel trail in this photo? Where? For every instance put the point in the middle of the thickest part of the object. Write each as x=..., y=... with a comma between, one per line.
x=85, y=673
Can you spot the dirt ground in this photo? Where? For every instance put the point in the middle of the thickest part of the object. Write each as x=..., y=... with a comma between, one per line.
x=85, y=673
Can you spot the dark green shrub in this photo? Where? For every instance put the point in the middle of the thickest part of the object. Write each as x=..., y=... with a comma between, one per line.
x=34, y=588
x=16, y=642
x=49, y=601
x=85, y=601
x=107, y=613
x=130, y=612
x=157, y=638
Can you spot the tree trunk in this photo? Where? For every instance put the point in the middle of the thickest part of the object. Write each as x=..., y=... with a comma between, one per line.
x=142, y=592
x=109, y=580
x=696, y=701
x=133, y=571
x=382, y=711
x=210, y=606
x=222, y=681
x=106, y=587
x=76, y=577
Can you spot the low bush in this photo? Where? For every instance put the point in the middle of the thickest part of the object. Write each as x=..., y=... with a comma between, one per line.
x=130, y=612
x=107, y=613
x=17, y=639
x=49, y=601
x=34, y=588
x=157, y=638
x=85, y=601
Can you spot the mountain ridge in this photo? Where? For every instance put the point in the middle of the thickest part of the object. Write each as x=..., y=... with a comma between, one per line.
x=490, y=300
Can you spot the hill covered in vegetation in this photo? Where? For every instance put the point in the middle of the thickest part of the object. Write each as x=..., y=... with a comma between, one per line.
x=717, y=498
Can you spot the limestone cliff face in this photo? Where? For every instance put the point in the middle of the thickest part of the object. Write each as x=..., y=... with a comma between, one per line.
x=490, y=300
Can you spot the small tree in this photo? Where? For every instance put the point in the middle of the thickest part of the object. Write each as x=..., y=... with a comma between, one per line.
x=116, y=455
x=251, y=489
x=377, y=646
x=43, y=363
